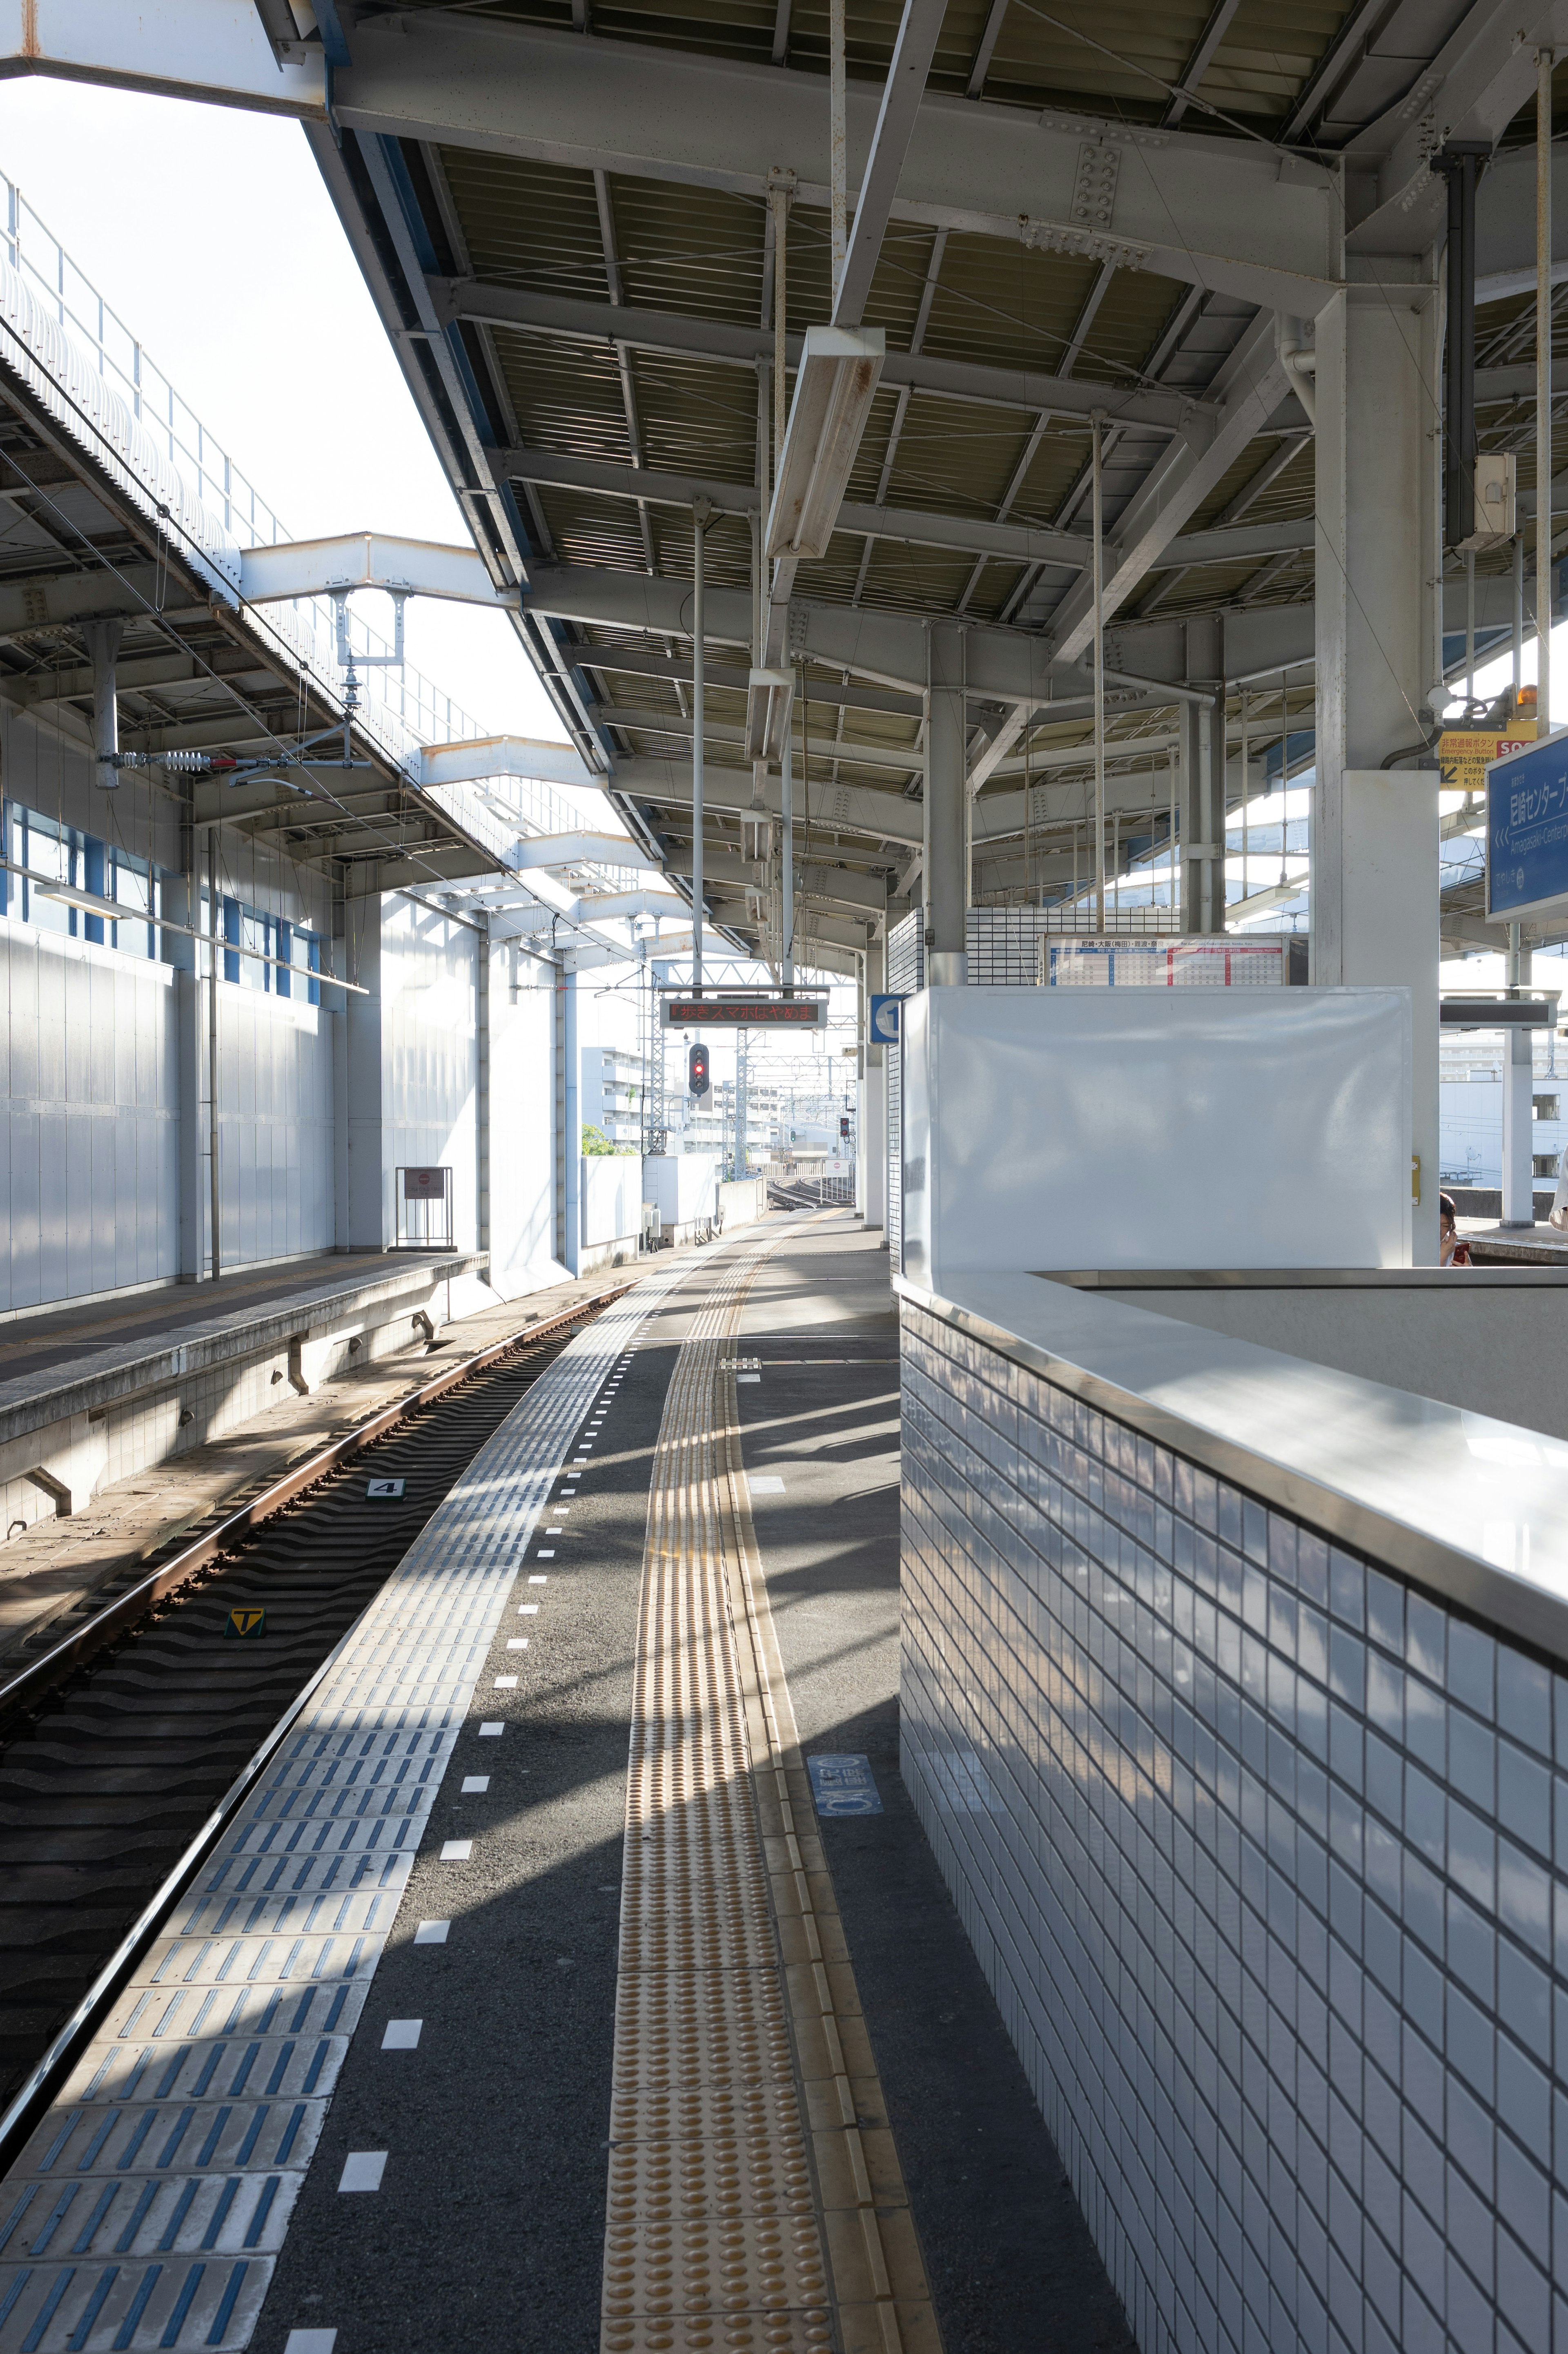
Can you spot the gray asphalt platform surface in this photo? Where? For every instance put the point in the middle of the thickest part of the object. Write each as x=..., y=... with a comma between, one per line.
x=487, y=2231
x=1008, y=2254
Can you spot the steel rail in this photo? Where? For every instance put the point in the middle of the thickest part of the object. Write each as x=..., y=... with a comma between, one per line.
x=108, y=1623
x=37, y=2089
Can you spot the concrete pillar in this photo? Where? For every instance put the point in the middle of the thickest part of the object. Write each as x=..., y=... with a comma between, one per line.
x=946, y=880
x=482, y=1090
x=1202, y=729
x=1374, y=830
x=1194, y=821
x=182, y=903
x=363, y=1195
x=874, y=1099
x=1518, y=1139
x=103, y=653
x=568, y=1124
x=1518, y=1104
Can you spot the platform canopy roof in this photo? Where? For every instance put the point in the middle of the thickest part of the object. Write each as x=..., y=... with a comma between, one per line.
x=567, y=214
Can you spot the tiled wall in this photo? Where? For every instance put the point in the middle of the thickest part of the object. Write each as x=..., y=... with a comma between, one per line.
x=1256, y=1845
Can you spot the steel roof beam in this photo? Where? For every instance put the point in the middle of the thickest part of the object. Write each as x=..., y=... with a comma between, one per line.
x=856, y=809
x=1201, y=60
x=367, y=559
x=1252, y=384
x=676, y=334
x=1215, y=212
x=1478, y=77
x=678, y=726
x=883, y=817
x=914, y=47
x=1009, y=665
x=556, y=850
x=636, y=662
x=474, y=759
x=1004, y=666
x=1020, y=543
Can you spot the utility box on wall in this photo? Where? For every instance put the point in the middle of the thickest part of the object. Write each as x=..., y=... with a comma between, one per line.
x=1066, y=1129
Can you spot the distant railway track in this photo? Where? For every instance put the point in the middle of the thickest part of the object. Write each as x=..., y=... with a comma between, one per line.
x=119, y=1740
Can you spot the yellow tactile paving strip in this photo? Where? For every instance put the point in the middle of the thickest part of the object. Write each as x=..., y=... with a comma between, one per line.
x=755, y=2200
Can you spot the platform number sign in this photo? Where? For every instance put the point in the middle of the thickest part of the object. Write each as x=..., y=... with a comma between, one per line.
x=245, y=1625
x=384, y=1490
x=885, y=1020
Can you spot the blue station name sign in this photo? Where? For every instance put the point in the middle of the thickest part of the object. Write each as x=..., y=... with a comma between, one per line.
x=1527, y=830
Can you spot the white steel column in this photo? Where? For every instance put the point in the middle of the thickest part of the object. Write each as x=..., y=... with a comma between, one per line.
x=364, y=1078
x=873, y=1097
x=1374, y=830
x=787, y=855
x=482, y=1090
x=1543, y=60
x=1518, y=1106
x=1196, y=894
x=102, y=639
x=572, y=1106
x=182, y=902
x=946, y=865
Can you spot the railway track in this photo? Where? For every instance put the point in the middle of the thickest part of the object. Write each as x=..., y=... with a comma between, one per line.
x=116, y=1745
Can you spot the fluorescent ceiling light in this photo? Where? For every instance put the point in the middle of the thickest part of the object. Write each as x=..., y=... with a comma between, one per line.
x=834, y=387
x=769, y=694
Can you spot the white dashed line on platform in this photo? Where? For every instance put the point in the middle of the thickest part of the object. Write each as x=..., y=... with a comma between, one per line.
x=431, y=1933
x=517, y=1642
x=765, y=1483
x=491, y=1731
x=505, y=1683
x=362, y=2169
x=402, y=2035
x=473, y=1783
x=456, y=1850
x=528, y=1610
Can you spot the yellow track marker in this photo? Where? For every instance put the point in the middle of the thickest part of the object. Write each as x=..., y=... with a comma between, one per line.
x=755, y=2200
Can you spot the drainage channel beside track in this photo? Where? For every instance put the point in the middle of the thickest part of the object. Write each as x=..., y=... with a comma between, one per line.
x=122, y=1739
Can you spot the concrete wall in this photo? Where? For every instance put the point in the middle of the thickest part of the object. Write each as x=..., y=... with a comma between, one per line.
x=429, y=1057
x=275, y=1126
x=742, y=1200
x=104, y=1177
x=1255, y=1845
x=611, y=1186
x=684, y=1185
x=521, y=1136
x=89, y=1178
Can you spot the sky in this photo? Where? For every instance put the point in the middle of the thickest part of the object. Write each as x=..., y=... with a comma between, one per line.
x=210, y=231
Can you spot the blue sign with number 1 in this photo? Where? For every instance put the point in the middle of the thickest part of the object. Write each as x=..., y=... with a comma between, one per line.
x=885, y=1020
x=1527, y=829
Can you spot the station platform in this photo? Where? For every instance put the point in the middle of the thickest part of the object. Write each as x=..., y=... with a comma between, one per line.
x=86, y=1354
x=94, y=1393
x=574, y=1974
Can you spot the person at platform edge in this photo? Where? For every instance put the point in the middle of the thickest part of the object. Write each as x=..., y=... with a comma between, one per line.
x=1455, y=1252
